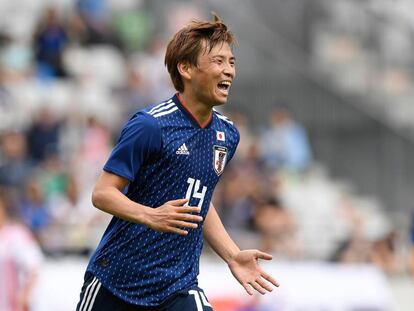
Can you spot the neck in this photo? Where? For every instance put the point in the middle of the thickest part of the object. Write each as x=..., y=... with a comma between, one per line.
x=200, y=111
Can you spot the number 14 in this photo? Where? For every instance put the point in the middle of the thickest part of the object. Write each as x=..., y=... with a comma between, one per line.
x=195, y=185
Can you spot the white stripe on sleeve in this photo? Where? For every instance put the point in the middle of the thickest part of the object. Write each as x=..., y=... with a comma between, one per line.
x=160, y=114
x=160, y=105
x=162, y=108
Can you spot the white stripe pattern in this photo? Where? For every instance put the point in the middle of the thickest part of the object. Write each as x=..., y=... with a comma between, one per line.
x=160, y=114
x=160, y=105
x=85, y=296
x=204, y=300
x=197, y=299
x=94, y=296
x=224, y=118
x=162, y=108
x=89, y=292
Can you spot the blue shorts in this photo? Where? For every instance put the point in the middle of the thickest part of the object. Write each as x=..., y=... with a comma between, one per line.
x=95, y=297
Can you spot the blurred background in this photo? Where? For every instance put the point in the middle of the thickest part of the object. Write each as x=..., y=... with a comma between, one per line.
x=323, y=178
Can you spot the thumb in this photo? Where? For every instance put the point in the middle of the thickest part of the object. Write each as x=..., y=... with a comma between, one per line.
x=263, y=255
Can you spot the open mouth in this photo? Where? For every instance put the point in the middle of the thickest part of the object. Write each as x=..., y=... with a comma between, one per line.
x=224, y=85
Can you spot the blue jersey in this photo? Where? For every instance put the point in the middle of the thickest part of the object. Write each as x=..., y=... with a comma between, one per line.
x=165, y=155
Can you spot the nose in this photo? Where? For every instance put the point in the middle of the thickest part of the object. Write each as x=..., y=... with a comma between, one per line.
x=229, y=70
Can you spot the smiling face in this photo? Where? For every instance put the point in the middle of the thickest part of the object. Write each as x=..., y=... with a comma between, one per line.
x=209, y=82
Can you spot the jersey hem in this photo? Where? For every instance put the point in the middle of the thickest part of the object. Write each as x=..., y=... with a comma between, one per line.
x=155, y=305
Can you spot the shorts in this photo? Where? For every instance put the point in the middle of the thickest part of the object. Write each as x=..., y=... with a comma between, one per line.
x=95, y=297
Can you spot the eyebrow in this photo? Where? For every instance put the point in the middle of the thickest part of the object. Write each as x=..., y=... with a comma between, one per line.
x=223, y=57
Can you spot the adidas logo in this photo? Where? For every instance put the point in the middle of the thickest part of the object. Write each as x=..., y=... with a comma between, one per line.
x=183, y=150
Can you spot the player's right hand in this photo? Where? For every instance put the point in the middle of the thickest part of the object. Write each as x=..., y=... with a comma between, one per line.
x=173, y=217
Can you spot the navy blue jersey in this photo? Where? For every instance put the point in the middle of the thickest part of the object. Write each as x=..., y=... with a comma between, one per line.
x=165, y=155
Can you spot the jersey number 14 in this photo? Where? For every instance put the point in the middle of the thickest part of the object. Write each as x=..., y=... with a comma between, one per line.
x=193, y=191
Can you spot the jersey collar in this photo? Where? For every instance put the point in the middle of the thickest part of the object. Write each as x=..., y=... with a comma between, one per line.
x=182, y=106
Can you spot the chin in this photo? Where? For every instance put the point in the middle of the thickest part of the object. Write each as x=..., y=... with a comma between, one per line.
x=220, y=101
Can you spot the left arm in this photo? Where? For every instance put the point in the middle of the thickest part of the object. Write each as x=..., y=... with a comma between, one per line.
x=243, y=264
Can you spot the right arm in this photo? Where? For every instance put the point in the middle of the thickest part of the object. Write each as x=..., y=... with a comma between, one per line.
x=172, y=216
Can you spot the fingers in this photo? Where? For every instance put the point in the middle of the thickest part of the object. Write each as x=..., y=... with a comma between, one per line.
x=270, y=279
x=264, y=284
x=188, y=209
x=188, y=217
x=263, y=255
x=174, y=217
x=258, y=287
x=184, y=208
x=177, y=231
x=179, y=223
x=248, y=288
x=178, y=202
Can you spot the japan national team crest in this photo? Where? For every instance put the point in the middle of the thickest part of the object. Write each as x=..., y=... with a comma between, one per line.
x=219, y=159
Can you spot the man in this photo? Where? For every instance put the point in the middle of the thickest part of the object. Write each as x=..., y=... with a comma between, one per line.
x=158, y=183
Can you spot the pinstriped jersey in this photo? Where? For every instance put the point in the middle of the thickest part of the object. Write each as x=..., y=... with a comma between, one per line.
x=165, y=155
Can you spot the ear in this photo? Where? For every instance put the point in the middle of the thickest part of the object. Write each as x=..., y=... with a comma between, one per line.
x=185, y=70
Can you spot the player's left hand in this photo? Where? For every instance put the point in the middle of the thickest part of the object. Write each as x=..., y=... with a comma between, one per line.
x=245, y=268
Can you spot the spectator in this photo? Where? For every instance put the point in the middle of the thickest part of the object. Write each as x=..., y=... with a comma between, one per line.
x=242, y=185
x=354, y=250
x=277, y=229
x=33, y=208
x=74, y=224
x=43, y=135
x=52, y=176
x=354, y=247
x=384, y=254
x=284, y=145
x=95, y=147
x=20, y=259
x=93, y=23
x=15, y=166
x=50, y=40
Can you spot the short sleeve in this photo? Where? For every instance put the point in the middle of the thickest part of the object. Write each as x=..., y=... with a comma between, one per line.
x=139, y=141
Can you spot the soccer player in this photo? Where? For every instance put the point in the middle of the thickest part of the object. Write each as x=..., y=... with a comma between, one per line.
x=158, y=183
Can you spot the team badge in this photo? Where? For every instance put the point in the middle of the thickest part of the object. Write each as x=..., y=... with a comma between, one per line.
x=221, y=136
x=219, y=159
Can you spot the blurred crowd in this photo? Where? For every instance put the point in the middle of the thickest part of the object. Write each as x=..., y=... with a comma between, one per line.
x=275, y=195
x=65, y=92
x=370, y=56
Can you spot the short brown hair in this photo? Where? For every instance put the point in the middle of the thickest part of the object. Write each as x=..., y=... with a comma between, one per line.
x=187, y=43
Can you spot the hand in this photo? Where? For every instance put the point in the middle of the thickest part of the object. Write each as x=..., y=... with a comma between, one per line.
x=246, y=270
x=171, y=216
